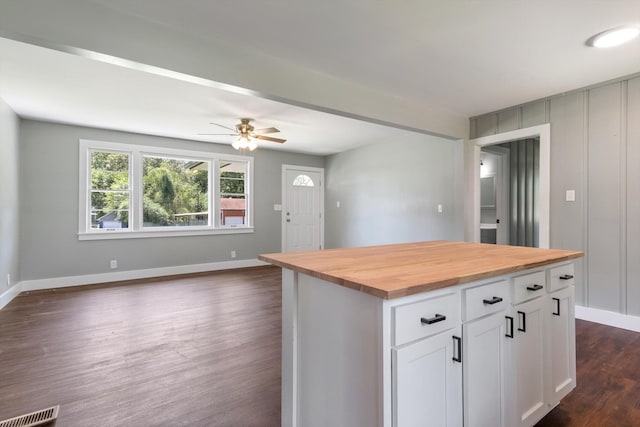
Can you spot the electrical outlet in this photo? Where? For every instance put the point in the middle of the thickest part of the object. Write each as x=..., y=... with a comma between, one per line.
x=439, y=208
x=114, y=263
x=233, y=254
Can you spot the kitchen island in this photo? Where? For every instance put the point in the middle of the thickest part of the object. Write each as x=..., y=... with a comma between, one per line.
x=426, y=334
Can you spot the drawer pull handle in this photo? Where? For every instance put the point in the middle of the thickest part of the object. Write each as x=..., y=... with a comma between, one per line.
x=436, y=319
x=492, y=301
x=509, y=327
x=459, y=341
x=557, y=312
x=524, y=321
x=566, y=277
x=534, y=287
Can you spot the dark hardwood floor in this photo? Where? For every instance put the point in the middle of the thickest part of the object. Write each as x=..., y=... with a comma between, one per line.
x=204, y=350
x=608, y=374
x=196, y=351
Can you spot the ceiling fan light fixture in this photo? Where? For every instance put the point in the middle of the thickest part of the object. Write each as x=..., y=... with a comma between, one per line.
x=243, y=142
x=614, y=36
x=252, y=145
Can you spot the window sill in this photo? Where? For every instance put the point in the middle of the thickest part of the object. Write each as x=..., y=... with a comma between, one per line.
x=110, y=235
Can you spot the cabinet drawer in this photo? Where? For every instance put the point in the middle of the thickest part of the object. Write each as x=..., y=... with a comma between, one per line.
x=423, y=318
x=561, y=277
x=485, y=299
x=529, y=286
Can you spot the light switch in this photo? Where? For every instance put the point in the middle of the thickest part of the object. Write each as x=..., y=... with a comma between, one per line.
x=338, y=204
x=439, y=208
x=277, y=207
x=570, y=196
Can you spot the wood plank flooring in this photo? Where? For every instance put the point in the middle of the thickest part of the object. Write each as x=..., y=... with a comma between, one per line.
x=608, y=374
x=204, y=350
x=197, y=351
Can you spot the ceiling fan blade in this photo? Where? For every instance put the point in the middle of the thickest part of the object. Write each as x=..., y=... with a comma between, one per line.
x=218, y=134
x=266, y=130
x=222, y=126
x=269, y=138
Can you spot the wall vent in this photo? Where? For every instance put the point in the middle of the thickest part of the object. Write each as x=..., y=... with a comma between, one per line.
x=33, y=419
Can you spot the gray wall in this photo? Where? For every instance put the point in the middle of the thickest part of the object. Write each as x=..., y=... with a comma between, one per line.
x=9, y=222
x=595, y=150
x=49, y=245
x=389, y=192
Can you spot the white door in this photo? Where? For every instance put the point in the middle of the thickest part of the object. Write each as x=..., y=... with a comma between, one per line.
x=485, y=372
x=303, y=195
x=427, y=382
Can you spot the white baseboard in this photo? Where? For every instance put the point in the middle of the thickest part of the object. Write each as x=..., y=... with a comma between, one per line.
x=117, y=276
x=8, y=295
x=610, y=318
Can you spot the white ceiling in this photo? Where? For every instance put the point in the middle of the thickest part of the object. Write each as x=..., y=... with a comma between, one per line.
x=467, y=56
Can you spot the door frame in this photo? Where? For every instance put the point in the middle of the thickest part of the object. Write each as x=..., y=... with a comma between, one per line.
x=285, y=169
x=543, y=132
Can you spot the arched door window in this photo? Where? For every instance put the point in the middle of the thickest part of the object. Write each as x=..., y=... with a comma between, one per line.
x=303, y=181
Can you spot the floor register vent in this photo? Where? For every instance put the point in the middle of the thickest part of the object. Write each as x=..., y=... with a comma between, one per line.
x=33, y=419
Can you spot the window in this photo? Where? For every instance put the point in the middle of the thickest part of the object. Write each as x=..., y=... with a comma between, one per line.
x=303, y=181
x=175, y=192
x=109, y=188
x=233, y=197
x=139, y=191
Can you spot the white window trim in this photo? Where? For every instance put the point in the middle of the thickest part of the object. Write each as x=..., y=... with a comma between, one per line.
x=136, y=230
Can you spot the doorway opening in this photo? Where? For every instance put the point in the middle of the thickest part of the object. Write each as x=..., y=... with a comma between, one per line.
x=514, y=209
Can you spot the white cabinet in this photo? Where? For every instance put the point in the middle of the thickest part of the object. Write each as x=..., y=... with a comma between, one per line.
x=485, y=356
x=443, y=358
x=562, y=343
x=427, y=382
x=528, y=361
x=485, y=372
x=543, y=354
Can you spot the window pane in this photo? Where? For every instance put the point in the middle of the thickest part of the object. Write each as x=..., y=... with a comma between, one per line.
x=233, y=196
x=109, y=209
x=109, y=171
x=109, y=190
x=232, y=177
x=233, y=210
x=175, y=192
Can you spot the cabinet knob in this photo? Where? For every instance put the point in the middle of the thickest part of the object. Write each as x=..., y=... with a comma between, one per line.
x=436, y=319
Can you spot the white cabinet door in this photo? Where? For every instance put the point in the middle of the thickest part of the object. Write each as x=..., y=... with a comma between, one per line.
x=529, y=367
x=485, y=372
x=562, y=343
x=427, y=382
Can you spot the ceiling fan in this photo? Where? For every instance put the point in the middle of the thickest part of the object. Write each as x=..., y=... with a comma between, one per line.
x=247, y=134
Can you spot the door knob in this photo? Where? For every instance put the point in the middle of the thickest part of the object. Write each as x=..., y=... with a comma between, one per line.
x=288, y=220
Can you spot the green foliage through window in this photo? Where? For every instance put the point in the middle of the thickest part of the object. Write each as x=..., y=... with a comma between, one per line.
x=175, y=192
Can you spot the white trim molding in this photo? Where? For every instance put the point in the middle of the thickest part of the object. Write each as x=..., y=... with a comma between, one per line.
x=544, y=133
x=7, y=296
x=93, y=279
x=610, y=318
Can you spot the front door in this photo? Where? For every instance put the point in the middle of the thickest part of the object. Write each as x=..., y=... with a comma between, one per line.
x=302, y=211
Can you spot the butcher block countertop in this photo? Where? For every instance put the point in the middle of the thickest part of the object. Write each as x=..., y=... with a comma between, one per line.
x=392, y=271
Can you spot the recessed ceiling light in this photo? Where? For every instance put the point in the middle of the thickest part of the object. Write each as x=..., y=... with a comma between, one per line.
x=614, y=36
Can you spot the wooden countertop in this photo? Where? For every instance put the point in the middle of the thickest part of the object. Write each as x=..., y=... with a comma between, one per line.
x=392, y=271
